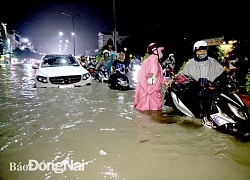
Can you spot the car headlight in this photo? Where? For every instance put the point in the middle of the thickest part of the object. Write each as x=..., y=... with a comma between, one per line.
x=42, y=79
x=86, y=76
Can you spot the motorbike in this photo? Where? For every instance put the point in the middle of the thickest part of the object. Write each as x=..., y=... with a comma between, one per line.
x=102, y=74
x=119, y=81
x=168, y=70
x=92, y=71
x=135, y=65
x=225, y=109
x=84, y=64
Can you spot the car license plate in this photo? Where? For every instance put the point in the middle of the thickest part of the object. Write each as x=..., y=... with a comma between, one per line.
x=67, y=86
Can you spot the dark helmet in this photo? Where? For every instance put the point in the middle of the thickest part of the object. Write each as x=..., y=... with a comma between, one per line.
x=152, y=47
x=92, y=57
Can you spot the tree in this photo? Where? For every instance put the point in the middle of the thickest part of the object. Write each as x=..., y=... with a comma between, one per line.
x=25, y=54
x=17, y=53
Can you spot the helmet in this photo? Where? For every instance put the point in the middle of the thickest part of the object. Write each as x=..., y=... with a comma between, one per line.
x=152, y=47
x=200, y=45
x=105, y=51
x=171, y=55
x=92, y=57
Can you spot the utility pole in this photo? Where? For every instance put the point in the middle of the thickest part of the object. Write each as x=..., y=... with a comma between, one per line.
x=73, y=29
x=114, y=18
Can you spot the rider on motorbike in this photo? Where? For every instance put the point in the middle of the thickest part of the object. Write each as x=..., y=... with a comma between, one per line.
x=169, y=63
x=104, y=60
x=83, y=61
x=203, y=72
x=118, y=70
x=92, y=65
x=113, y=57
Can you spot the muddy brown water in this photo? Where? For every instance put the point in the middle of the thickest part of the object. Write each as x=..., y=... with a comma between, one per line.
x=94, y=133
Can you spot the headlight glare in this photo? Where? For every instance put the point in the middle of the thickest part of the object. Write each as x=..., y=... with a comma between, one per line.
x=86, y=76
x=42, y=79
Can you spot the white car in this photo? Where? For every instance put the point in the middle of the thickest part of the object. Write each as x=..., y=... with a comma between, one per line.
x=61, y=71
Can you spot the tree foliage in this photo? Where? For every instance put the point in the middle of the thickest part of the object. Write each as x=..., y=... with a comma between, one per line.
x=248, y=81
x=25, y=54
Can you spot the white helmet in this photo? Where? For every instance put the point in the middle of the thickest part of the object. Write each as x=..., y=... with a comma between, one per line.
x=105, y=51
x=200, y=45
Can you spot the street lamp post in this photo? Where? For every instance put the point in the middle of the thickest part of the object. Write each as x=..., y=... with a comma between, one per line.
x=114, y=18
x=63, y=42
x=73, y=29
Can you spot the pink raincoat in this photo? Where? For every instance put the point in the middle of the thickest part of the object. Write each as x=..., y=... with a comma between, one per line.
x=149, y=96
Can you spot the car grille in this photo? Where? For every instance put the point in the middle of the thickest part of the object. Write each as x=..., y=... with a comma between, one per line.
x=65, y=79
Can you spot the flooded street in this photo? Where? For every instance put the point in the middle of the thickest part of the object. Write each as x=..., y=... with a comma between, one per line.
x=94, y=133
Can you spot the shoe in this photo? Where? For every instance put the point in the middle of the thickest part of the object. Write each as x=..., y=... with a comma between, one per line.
x=173, y=110
x=110, y=86
x=207, y=122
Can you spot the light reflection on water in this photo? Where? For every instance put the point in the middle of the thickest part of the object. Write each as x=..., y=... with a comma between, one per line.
x=98, y=128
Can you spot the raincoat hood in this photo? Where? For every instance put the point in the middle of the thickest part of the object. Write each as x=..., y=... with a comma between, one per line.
x=152, y=61
x=112, y=55
x=110, y=62
x=158, y=50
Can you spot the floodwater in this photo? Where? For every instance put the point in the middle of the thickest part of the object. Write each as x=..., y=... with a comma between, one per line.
x=93, y=133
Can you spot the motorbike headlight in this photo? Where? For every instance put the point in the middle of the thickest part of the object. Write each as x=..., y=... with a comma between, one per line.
x=42, y=79
x=123, y=83
x=236, y=111
x=86, y=76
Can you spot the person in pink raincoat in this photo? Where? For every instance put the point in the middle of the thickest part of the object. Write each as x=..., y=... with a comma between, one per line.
x=148, y=92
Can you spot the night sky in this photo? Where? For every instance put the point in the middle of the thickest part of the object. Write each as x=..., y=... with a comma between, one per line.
x=145, y=21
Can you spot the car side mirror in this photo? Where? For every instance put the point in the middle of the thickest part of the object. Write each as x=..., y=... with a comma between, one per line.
x=35, y=66
x=75, y=64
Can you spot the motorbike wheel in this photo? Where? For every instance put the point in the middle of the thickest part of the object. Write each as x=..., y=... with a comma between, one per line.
x=96, y=77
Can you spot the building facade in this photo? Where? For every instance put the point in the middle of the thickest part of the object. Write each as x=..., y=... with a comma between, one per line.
x=104, y=37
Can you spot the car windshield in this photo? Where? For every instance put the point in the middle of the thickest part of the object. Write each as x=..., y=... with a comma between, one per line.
x=59, y=61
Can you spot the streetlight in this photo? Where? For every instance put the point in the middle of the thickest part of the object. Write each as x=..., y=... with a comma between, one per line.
x=73, y=28
x=63, y=42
